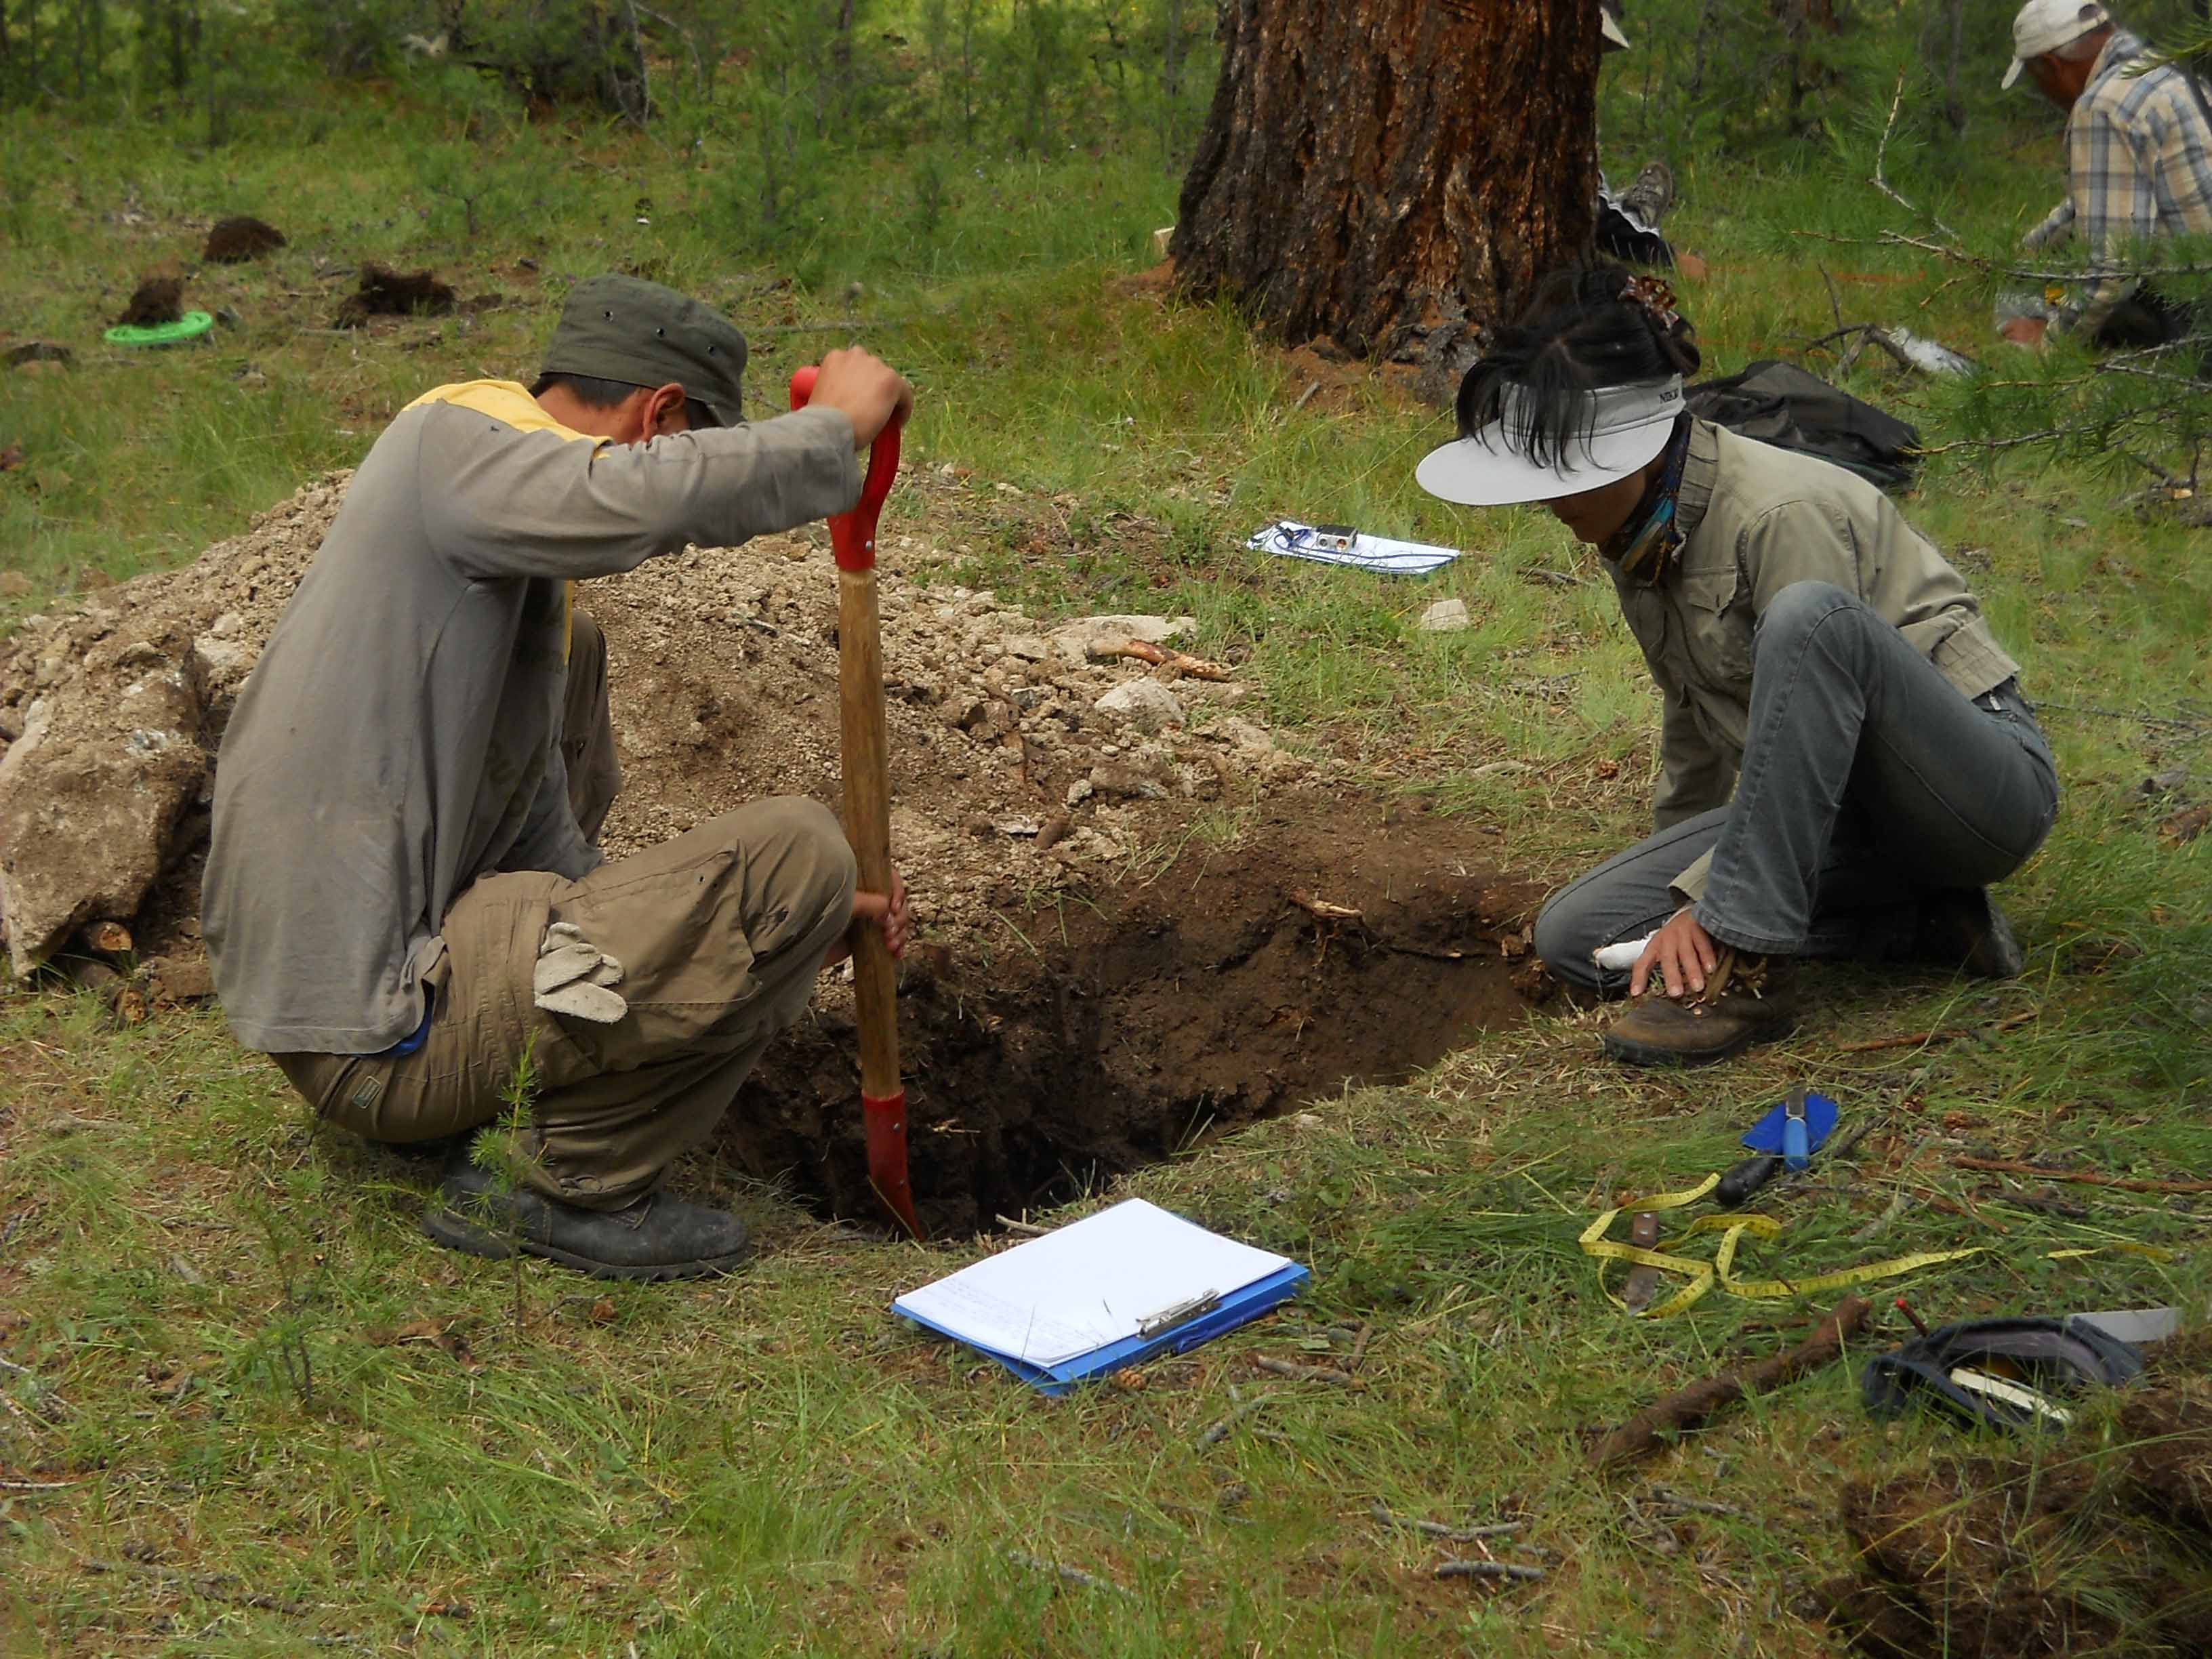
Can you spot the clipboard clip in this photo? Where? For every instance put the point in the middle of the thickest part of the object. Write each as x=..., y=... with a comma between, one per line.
x=1180, y=1313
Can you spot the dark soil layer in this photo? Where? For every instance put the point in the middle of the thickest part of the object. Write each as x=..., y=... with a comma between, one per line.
x=1119, y=1027
x=2078, y=1552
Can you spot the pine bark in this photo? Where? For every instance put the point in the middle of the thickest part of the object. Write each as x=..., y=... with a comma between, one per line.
x=1393, y=175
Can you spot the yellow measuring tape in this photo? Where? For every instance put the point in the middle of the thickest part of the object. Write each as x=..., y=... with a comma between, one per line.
x=1703, y=1275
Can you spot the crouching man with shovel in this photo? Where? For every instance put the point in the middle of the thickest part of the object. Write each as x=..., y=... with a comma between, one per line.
x=404, y=898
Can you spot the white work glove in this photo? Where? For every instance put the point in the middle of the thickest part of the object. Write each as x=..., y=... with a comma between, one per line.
x=575, y=978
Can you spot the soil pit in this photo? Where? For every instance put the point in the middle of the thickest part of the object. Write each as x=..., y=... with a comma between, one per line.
x=1120, y=1026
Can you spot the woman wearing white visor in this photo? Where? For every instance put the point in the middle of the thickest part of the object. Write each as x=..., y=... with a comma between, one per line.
x=1846, y=762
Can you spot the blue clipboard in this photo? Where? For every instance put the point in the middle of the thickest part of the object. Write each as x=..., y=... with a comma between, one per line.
x=1239, y=1308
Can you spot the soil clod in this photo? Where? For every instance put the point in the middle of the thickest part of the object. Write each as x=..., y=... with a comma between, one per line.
x=156, y=300
x=384, y=292
x=242, y=237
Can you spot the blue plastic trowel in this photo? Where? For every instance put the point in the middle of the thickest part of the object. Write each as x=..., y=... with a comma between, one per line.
x=1785, y=1138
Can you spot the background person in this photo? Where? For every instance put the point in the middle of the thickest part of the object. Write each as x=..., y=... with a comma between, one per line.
x=404, y=902
x=2139, y=167
x=1846, y=759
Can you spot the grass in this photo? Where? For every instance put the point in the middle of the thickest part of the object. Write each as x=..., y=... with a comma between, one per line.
x=281, y=1417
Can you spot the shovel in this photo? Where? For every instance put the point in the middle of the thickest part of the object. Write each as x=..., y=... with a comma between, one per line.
x=868, y=814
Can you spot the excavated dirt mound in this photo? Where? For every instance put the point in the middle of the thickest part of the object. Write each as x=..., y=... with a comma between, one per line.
x=2079, y=1553
x=1144, y=919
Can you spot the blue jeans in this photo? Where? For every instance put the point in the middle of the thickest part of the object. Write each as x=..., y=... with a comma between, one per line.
x=1868, y=782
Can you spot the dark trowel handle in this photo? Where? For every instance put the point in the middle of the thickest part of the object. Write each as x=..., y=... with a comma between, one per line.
x=1739, y=1184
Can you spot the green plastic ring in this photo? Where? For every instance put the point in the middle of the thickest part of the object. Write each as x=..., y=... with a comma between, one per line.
x=190, y=326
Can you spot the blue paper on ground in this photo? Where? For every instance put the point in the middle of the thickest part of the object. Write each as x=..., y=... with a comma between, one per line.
x=1102, y=1293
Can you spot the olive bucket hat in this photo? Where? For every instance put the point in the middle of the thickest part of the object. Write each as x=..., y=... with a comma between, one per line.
x=638, y=333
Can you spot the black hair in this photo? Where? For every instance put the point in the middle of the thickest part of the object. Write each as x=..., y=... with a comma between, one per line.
x=1582, y=333
x=586, y=389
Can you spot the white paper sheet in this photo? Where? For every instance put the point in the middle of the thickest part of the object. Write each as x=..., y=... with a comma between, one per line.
x=1294, y=540
x=1088, y=1283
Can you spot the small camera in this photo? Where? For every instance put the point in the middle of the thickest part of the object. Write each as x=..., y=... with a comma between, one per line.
x=1334, y=537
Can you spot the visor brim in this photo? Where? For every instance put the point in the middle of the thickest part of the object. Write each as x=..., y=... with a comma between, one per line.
x=1481, y=471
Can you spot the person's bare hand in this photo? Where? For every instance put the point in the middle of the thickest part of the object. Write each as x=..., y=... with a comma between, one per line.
x=866, y=390
x=1681, y=954
x=890, y=911
x=2025, y=331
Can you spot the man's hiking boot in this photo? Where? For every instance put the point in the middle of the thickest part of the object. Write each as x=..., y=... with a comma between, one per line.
x=1963, y=930
x=1737, y=1008
x=656, y=1238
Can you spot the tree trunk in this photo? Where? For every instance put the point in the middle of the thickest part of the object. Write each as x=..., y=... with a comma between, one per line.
x=1393, y=175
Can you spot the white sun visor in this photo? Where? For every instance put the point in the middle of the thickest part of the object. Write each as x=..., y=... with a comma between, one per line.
x=1625, y=428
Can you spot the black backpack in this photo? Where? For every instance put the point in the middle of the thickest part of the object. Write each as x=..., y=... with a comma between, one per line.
x=1780, y=404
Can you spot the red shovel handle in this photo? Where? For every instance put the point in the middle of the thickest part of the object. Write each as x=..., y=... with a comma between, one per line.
x=852, y=535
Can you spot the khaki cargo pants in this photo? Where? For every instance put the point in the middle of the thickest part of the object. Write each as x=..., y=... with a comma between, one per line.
x=721, y=933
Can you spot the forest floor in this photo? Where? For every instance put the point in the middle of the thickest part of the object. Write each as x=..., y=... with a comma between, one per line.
x=247, y=1408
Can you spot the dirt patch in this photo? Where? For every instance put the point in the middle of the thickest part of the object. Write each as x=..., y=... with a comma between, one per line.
x=1130, y=1017
x=2077, y=1553
x=155, y=301
x=234, y=240
x=384, y=292
x=1108, y=856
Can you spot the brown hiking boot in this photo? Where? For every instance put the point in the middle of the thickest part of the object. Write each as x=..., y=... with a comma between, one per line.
x=1738, y=1008
x=1963, y=930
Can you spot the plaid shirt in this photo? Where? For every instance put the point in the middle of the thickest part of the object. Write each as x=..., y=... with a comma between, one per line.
x=2139, y=152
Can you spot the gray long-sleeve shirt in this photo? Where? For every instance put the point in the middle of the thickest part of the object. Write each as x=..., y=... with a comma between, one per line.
x=400, y=735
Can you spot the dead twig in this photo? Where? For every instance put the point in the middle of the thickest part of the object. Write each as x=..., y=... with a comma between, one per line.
x=38, y=1485
x=2079, y=1178
x=1668, y=1498
x=1687, y=1409
x=1161, y=656
x=1240, y=1409
x=1938, y=1034
x=1066, y=1574
x=1026, y=1229
x=1321, y=910
x=1304, y=1373
x=1511, y=1570
x=1383, y=1513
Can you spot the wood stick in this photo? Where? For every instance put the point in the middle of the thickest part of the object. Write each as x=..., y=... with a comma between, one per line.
x=1321, y=910
x=1161, y=656
x=1513, y=1570
x=1438, y=1530
x=2079, y=1178
x=1305, y=1373
x=1939, y=1034
x=1066, y=1574
x=1687, y=1409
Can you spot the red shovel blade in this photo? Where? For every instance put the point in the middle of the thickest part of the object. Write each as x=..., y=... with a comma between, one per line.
x=887, y=1167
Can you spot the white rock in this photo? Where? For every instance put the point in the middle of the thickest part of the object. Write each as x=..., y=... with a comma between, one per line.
x=1144, y=704
x=1078, y=641
x=1030, y=647
x=1444, y=617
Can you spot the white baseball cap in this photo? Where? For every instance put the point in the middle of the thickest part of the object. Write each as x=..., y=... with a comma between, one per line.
x=2046, y=25
x=1628, y=426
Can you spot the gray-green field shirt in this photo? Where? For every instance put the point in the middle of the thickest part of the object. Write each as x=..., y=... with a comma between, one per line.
x=398, y=738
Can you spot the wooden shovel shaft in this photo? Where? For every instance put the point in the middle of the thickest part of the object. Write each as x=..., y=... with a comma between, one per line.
x=868, y=821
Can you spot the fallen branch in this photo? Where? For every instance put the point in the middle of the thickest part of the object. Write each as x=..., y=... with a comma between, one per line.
x=1438, y=1530
x=1305, y=1373
x=1644, y=1433
x=1938, y=1034
x=2079, y=1178
x=1026, y=1229
x=1240, y=1409
x=1066, y=1574
x=1321, y=910
x=1512, y=1570
x=1161, y=656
